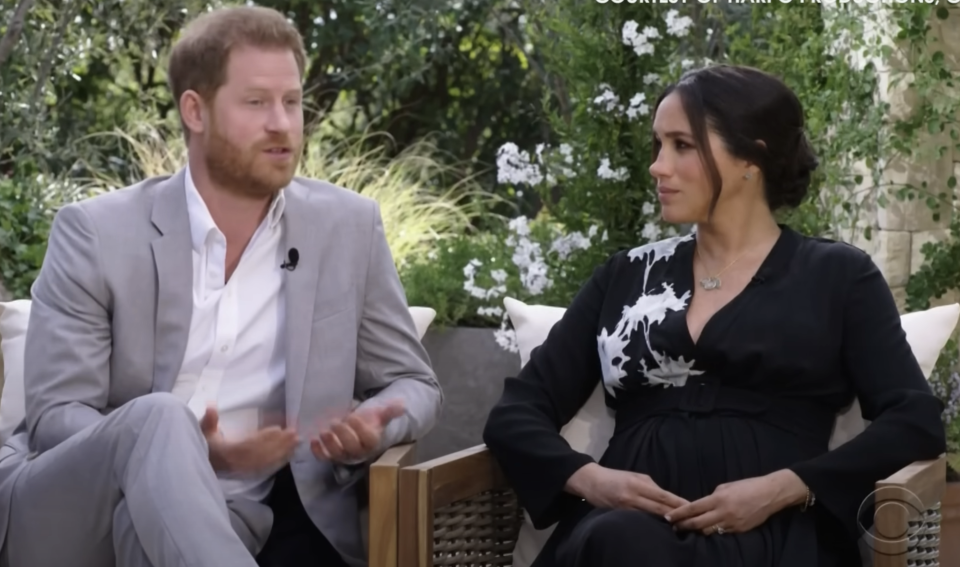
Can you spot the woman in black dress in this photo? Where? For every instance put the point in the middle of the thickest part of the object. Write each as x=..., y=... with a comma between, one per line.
x=726, y=355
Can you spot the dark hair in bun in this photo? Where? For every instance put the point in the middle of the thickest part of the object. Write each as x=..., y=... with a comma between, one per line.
x=744, y=105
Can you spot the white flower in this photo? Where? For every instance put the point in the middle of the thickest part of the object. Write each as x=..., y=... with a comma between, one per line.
x=471, y=287
x=562, y=165
x=519, y=226
x=639, y=41
x=514, y=166
x=608, y=99
x=648, y=209
x=566, y=245
x=528, y=257
x=677, y=25
x=506, y=338
x=499, y=276
x=687, y=63
x=637, y=106
x=650, y=231
x=606, y=172
x=490, y=311
x=651, y=79
x=471, y=268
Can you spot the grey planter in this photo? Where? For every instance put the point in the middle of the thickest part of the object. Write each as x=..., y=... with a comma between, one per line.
x=471, y=367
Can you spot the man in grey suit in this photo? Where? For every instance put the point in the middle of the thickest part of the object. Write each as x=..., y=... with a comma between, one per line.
x=197, y=342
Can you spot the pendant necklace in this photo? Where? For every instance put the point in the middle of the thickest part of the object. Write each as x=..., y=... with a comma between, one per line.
x=710, y=283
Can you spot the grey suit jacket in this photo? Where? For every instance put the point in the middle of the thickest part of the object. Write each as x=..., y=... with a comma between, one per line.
x=111, y=314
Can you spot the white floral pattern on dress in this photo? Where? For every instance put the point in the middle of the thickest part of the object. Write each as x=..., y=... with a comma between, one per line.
x=650, y=308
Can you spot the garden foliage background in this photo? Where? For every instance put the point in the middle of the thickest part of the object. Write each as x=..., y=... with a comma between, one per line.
x=508, y=141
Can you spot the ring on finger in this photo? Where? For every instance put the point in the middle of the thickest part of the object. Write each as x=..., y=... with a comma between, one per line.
x=718, y=529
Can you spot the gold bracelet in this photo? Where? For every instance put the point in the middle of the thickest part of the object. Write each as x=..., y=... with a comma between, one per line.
x=809, y=500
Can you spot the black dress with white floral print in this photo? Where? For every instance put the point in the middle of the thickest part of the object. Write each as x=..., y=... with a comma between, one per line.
x=757, y=392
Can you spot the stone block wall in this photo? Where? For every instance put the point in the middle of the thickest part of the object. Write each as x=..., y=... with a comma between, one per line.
x=900, y=228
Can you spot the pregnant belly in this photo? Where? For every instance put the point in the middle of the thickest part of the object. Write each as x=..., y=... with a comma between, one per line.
x=690, y=454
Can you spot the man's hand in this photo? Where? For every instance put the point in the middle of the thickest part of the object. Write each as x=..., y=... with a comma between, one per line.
x=268, y=448
x=742, y=505
x=354, y=437
x=616, y=489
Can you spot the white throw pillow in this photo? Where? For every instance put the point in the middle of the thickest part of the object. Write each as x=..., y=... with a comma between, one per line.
x=422, y=317
x=15, y=315
x=592, y=427
x=927, y=332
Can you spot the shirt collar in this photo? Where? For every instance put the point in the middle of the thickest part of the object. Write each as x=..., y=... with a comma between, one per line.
x=202, y=225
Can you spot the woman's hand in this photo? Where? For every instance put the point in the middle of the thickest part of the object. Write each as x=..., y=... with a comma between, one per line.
x=742, y=505
x=610, y=488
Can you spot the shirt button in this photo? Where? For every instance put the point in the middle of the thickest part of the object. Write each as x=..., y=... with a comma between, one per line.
x=224, y=348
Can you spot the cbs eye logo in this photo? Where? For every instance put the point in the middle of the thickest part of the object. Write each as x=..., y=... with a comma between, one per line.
x=920, y=538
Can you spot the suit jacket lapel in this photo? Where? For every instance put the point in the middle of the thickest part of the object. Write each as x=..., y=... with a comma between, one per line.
x=300, y=289
x=174, y=262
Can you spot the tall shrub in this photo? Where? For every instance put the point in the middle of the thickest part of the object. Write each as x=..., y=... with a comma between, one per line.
x=608, y=63
x=416, y=211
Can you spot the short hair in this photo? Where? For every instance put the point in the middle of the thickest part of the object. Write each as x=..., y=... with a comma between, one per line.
x=198, y=60
x=743, y=105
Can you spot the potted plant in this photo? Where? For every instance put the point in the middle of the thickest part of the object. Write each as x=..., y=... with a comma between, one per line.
x=471, y=343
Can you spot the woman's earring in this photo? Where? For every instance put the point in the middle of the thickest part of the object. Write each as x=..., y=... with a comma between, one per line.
x=747, y=175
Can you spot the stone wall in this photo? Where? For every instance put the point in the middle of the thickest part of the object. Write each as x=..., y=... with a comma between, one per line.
x=900, y=228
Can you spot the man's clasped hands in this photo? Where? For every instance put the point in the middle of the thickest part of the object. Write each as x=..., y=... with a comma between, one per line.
x=736, y=506
x=347, y=439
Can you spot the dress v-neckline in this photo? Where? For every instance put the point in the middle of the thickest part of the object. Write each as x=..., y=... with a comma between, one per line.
x=728, y=309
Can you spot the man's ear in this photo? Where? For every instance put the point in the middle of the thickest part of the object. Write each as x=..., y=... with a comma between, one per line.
x=192, y=109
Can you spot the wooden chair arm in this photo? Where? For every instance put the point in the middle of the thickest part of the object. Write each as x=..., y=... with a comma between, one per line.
x=457, y=510
x=907, y=504
x=384, y=500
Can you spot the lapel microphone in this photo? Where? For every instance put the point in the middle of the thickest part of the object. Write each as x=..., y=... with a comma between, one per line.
x=293, y=258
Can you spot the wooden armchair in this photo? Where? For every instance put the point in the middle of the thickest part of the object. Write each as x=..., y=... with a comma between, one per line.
x=384, y=503
x=459, y=511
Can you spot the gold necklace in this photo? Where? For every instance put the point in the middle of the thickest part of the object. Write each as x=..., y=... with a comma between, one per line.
x=710, y=283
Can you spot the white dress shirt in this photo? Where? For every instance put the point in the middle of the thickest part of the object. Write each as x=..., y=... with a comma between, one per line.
x=235, y=358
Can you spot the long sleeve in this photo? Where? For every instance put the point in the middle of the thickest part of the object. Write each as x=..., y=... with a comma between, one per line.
x=392, y=363
x=523, y=429
x=893, y=394
x=68, y=344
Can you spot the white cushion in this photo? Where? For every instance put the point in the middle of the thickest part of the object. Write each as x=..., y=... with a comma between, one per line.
x=592, y=427
x=15, y=315
x=422, y=317
x=927, y=333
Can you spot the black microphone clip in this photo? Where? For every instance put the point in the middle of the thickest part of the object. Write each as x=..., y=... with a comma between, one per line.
x=293, y=258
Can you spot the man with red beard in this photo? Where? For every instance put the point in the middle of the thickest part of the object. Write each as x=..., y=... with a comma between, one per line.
x=192, y=335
